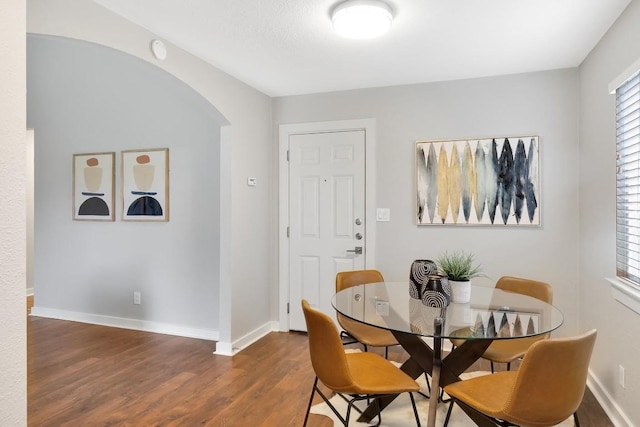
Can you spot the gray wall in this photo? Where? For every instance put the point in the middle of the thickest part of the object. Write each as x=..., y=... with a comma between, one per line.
x=618, y=326
x=543, y=104
x=246, y=213
x=83, y=97
x=573, y=249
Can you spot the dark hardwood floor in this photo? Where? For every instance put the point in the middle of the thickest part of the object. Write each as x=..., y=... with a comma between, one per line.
x=88, y=375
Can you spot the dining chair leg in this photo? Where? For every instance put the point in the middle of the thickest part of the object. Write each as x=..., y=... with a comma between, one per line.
x=386, y=352
x=426, y=379
x=491, y=367
x=415, y=410
x=347, y=338
x=313, y=392
x=446, y=420
x=576, y=421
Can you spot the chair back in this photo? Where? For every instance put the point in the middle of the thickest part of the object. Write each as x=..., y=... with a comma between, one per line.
x=325, y=348
x=550, y=382
x=533, y=288
x=347, y=279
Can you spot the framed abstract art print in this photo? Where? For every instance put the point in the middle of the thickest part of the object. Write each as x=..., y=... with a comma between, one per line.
x=145, y=185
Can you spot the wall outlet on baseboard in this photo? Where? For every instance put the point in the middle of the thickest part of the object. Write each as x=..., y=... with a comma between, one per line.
x=137, y=296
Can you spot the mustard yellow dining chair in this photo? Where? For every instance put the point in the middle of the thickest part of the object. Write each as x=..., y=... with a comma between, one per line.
x=547, y=388
x=361, y=375
x=510, y=350
x=368, y=336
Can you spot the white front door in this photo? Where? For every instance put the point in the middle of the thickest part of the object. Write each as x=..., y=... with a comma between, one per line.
x=327, y=224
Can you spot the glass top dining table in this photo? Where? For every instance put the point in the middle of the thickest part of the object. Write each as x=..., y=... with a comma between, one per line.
x=491, y=314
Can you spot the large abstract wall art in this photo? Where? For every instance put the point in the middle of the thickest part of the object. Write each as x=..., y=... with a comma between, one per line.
x=93, y=187
x=145, y=185
x=490, y=181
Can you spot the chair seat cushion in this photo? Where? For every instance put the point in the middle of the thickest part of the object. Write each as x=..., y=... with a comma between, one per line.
x=508, y=350
x=368, y=335
x=372, y=374
x=505, y=350
x=495, y=390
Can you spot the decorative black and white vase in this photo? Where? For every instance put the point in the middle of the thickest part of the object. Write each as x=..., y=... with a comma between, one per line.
x=420, y=270
x=436, y=292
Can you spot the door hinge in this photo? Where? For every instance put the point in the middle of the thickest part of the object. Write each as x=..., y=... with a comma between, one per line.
x=288, y=231
x=287, y=155
x=287, y=308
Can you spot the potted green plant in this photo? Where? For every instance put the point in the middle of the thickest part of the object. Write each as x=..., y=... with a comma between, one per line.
x=459, y=267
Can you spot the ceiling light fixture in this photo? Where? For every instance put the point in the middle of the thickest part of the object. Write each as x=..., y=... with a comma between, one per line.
x=362, y=19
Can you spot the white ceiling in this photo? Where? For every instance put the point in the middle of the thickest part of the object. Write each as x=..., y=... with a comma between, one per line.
x=287, y=47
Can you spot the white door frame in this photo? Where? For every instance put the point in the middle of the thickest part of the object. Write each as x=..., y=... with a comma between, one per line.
x=369, y=127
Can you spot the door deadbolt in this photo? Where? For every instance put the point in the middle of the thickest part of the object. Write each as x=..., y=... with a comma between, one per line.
x=358, y=221
x=358, y=236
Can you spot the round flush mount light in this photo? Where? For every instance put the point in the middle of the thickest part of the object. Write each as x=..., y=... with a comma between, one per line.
x=362, y=19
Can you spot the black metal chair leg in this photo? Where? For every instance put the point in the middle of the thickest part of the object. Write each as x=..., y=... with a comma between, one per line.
x=415, y=410
x=446, y=420
x=347, y=339
x=313, y=392
x=576, y=421
x=426, y=378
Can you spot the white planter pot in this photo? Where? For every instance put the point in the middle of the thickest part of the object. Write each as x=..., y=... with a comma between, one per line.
x=460, y=291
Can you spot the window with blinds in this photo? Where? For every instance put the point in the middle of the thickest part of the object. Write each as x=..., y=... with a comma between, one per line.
x=628, y=180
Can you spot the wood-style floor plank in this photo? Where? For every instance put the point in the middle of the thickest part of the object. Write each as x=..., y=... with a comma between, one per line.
x=88, y=375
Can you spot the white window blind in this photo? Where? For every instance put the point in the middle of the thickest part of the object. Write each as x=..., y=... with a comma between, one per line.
x=628, y=180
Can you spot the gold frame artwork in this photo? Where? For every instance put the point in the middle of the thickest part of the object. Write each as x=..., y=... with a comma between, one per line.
x=145, y=185
x=93, y=195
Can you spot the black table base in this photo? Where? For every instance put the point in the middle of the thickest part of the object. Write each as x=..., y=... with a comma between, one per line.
x=422, y=359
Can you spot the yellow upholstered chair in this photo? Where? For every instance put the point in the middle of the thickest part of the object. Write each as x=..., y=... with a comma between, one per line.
x=546, y=389
x=368, y=336
x=361, y=376
x=509, y=350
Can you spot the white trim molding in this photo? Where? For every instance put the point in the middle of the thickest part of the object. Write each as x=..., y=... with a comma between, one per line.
x=624, y=76
x=613, y=411
x=230, y=349
x=121, y=322
x=625, y=293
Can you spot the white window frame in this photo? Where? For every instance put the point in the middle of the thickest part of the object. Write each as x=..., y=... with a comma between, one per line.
x=626, y=285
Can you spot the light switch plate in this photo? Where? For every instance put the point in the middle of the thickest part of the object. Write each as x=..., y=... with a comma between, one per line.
x=382, y=307
x=383, y=214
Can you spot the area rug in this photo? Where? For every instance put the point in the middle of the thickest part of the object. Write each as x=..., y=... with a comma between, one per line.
x=400, y=414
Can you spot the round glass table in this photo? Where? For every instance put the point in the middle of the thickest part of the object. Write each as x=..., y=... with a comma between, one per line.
x=491, y=314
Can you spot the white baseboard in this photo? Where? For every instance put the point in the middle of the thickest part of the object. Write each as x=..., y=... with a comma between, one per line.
x=120, y=322
x=229, y=349
x=615, y=413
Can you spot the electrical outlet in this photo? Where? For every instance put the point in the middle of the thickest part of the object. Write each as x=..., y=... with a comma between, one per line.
x=137, y=298
x=621, y=375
